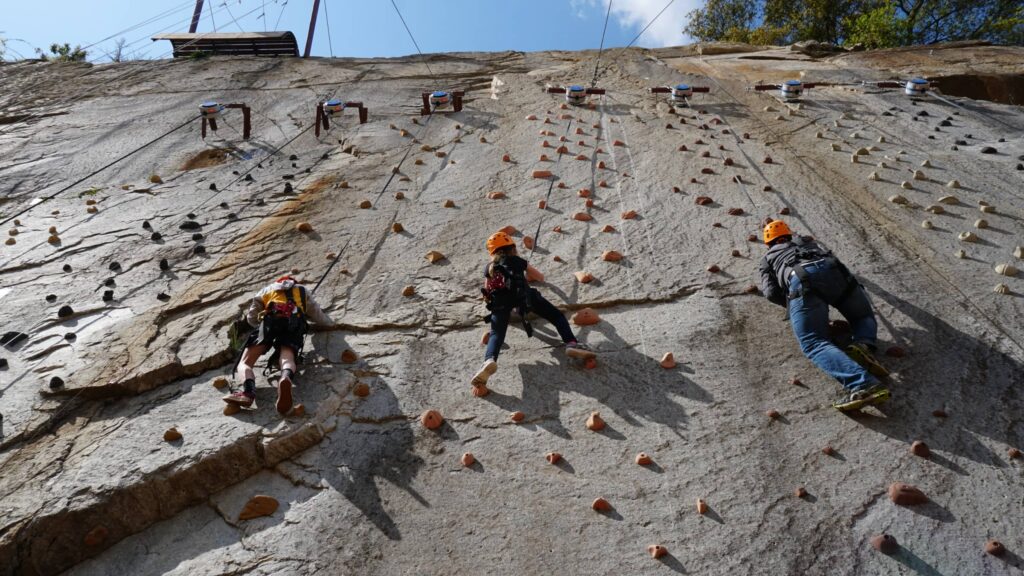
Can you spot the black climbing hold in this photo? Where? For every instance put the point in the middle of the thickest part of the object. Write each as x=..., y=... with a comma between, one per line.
x=308, y=170
x=325, y=156
x=3, y=366
x=108, y=295
x=288, y=177
x=248, y=177
x=109, y=282
x=937, y=129
x=190, y=216
x=51, y=297
x=213, y=185
x=1002, y=140
x=923, y=113
x=200, y=249
x=67, y=267
x=945, y=123
x=1020, y=166
x=190, y=225
x=955, y=113
x=260, y=165
x=886, y=113
x=197, y=236
x=70, y=337
x=147, y=225
x=235, y=172
x=931, y=137
x=232, y=216
x=294, y=165
x=288, y=188
x=260, y=202
x=1021, y=157
x=954, y=147
x=223, y=204
x=971, y=136
x=65, y=311
x=293, y=157
x=988, y=150
x=56, y=383
x=913, y=118
x=12, y=338
x=156, y=236
x=163, y=297
x=164, y=264
x=115, y=266
x=961, y=142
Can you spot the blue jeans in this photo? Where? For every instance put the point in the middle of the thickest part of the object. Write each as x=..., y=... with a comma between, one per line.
x=808, y=314
x=539, y=305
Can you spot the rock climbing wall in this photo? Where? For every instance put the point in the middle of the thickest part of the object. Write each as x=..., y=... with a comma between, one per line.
x=701, y=439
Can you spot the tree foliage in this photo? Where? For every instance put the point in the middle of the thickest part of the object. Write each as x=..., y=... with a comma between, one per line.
x=63, y=53
x=875, y=23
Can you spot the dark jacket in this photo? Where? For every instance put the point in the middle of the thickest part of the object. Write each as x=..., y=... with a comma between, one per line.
x=778, y=263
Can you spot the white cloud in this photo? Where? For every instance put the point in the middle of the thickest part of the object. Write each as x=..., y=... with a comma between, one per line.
x=635, y=14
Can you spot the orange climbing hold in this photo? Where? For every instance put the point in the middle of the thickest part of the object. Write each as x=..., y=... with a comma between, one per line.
x=611, y=256
x=431, y=419
x=348, y=356
x=510, y=230
x=906, y=495
x=702, y=507
x=618, y=143
x=714, y=269
x=773, y=414
x=506, y=158
x=531, y=117
x=542, y=204
x=304, y=227
x=361, y=389
x=608, y=228
x=668, y=361
x=584, y=277
x=480, y=391
x=172, y=435
x=562, y=150
x=703, y=200
x=642, y=459
x=582, y=217
x=545, y=144
x=918, y=448
x=583, y=193
x=657, y=550
x=553, y=457
x=589, y=203
x=517, y=416
x=497, y=195
x=600, y=165
x=601, y=505
x=397, y=228
x=582, y=157
x=434, y=256
x=542, y=173
x=258, y=506
x=603, y=184
x=595, y=422
x=467, y=460
x=800, y=492
x=629, y=215
x=585, y=317
x=544, y=158
x=528, y=241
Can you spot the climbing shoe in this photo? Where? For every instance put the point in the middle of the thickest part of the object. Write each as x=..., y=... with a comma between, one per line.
x=485, y=372
x=284, y=392
x=577, y=350
x=860, y=354
x=867, y=396
x=241, y=399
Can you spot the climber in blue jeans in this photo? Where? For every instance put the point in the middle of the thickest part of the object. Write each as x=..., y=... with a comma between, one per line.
x=806, y=278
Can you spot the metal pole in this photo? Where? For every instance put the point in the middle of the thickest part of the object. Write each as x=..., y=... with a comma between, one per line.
x=195, y=17
x=312, y=28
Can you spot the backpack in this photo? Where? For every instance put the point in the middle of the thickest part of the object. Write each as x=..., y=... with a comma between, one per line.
x=506, y=286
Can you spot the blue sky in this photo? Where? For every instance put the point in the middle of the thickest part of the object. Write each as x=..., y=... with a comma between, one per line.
x=357, y=27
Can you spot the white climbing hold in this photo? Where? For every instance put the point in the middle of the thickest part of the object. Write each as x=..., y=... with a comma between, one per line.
x=935, y=209
x=873, y=176
x=855, y=135
x=981, y=223
x=881, y=139
x=819, y=135
x=926, y=164
x=882, y=165
x=1006, y=269
x=987, y=209
x=968, y=237
x=854, y=159
x=1002, y=289
x=927, y=224
x=780, y=117
x=953, y=184
x=1019, y=252
x=897, y=199
x=836, y=147
x=951, y=200
x=960, y=254
x=907, y=185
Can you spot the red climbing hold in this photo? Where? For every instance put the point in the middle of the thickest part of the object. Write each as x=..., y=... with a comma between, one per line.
x=683, y=148
x=921, y=449
x=714, y=269
x=703, y=200
x=906, y=495
x=706, y=171
x=885, y=544
x=735, y=211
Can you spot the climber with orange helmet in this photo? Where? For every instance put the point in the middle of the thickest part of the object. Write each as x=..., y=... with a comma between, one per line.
x=805, y=277
x=506, y=289
x=280, y=313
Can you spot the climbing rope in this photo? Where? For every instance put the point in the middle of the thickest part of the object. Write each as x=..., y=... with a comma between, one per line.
x=327, y=19
x=601, y=49
x=637, y=37
x=547, y=197
x=416, y=44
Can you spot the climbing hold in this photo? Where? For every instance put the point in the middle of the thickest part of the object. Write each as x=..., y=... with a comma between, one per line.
x=906, y=495
x=584, y=277
x=953, y=184
x=683, y=148
x=885, y=544
x=995, y=548
x=714, y=269
x=517, y=416
x=608, y=228
x=629, y=215
x=987, y=209
x=611, y=256
x=439, y=154
x=927, y=224
x=897, y=199
x=919, y=175
x=467, y=460
x=862, y=152
x=618, y=143
x=968, y=237
x=304, y=227
x=431, y=419
x=703, y=200
x=595, y=422
x=541, y=173
x=56, y=383
x=702, y=507
x=434, y=257
x=773, y=414
x=602, y=184
x=600, y=165
x=960, y=254
x=553, y=457
x=828, y=451
x=1018, y=252
x=361, y=389
x=668, y=361
x=906, y=185
x=585, y=317
x=951, y=200
x=601, y=505
x=172, y=435
x=705, y=154
x=583, y=192
x=156, y=179
x=348, y=356
x=562, y=150
x=988, y=150
x=918, y=448
x=706, y=171
x=1001, y=289
x=582, y=217
x=497, y=195
x=258, y=506
x=873, y=176
x=800, y=492
x=657, y=550
x=409, y=291
x=735, y=211
x=1014, y=453
x=65, y=311
x=836, y=147
x=935, y=209
x=727, y=162
x=981, y=223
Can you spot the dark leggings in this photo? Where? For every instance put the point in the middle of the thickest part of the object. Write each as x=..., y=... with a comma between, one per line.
x=538, y=305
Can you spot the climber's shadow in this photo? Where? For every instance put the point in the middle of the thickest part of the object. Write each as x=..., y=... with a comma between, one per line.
x=633, y=386
x=951, y=370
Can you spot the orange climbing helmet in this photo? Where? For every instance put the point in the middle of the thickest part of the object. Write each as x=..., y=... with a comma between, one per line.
x=497, y=241
x=775, y=229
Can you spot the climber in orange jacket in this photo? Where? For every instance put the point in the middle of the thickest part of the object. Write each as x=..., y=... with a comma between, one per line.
x=280, y=313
